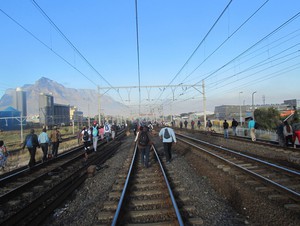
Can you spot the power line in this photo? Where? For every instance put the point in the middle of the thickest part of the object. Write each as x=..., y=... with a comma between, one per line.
x=48, y=47
x=138, y=52
x=258, y=42
x=256, y=73
x=248, y=19
x=259, y=54
x=266, y=77
x=191, y=56
x=67, y=40
x=265, y=62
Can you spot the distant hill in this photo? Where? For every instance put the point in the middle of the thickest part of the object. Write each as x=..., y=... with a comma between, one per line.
x=85, y=99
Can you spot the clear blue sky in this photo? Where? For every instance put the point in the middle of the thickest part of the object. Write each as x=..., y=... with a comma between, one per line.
x=180, y=41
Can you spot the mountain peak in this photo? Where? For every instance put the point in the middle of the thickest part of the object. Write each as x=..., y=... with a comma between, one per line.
x=43, y=80
x=63, y=95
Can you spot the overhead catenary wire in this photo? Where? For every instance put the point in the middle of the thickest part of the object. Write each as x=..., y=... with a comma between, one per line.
x=260, y=53
x=247, y=50
x=138, y=53
x=292, y=56
x=269, y=60
x=201, y=42
x=70, y=43
x=251, y=47
x=48, y=47
x=228, y=38
x=264, y=69
x=254, y=45
x=266, y=77
x=214, y=81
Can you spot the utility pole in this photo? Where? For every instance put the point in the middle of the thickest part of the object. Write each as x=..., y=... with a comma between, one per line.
x=21, y=126
x=204, y=102
x=89, y=122
x=253, y=104
x=240, y=108
x=162, y=88
x=99, y=109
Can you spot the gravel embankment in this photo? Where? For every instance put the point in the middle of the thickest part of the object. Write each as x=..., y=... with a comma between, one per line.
x=203, y=183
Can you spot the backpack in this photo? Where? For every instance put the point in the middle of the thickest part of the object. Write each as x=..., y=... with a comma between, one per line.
x=256, y=125
x=58, y=137
x=29, y=142
x=144, y=139
x=166, y=134
x=225, y=125
x=95, y=131
x=85, y=135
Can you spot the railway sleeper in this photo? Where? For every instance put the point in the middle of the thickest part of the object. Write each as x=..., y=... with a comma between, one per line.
x=293, y=207
x=147, y=186
x=264, y=189
x=156, y=215
x=278, y=197
x=151, y=204
x=148, y=194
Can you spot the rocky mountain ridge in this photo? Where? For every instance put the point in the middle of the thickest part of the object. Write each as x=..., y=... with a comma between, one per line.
x=86, y=100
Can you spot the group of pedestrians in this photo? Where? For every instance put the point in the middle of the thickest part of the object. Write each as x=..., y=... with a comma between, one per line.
x=92, y=135
x=287, y=134
x=3, y=155
x=43, y=141
x=185, y=123
x=144, y=141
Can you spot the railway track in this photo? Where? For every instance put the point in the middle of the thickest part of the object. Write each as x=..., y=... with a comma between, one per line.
x=245, y=139
x=274, y=181
x=146, y=196
x=28, y=197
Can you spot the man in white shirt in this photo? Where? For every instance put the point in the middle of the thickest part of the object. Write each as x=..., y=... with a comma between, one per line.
x=167, y=136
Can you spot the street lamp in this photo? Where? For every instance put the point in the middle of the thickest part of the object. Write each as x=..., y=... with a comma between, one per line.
x=240, y=108
x=253, y=104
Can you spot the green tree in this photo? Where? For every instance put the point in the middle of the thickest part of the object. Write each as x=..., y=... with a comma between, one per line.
x=296, y=117
x=267, y=118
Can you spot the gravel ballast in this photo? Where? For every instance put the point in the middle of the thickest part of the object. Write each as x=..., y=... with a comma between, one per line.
x=218, y=198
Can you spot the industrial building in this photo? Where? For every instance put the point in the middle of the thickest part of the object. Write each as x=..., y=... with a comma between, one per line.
x=241, y=112
x=20, y=101
x=46, y=109
x=10, y=119
x=52, y=114
x=61, y=114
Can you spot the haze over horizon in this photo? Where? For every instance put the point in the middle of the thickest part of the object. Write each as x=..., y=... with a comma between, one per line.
x=69, y=96
x=235, y=47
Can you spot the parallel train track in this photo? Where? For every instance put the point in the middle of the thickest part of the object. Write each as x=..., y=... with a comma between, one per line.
x=140, y=196
x=277, y=182
x=28, y=197
x=146, y=196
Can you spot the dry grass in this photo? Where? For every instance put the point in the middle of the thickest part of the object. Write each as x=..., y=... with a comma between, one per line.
x=21, y=158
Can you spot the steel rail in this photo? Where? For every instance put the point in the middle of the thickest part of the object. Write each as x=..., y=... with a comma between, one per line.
x=120, y=204
x=291, y=193
x=178, y=215
x=289, y=171
x=13, y=175
x=116, y=216
x=56, y=194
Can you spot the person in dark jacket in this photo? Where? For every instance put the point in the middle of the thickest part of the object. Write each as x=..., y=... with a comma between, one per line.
x=234, y=124
x=31, y=142
x=55, y=138
x=225, y=126
x=279, y=131
x=185, y=124
x=144, y=143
